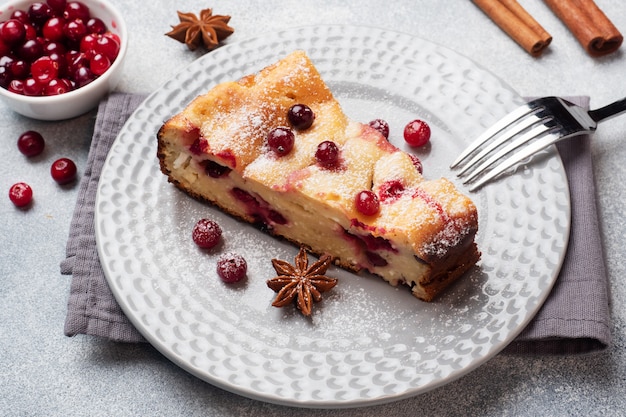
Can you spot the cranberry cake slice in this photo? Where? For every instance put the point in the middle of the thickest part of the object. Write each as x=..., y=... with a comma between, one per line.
x=241, y=148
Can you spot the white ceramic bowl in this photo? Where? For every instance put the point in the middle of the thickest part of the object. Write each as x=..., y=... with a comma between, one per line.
x=83, y=99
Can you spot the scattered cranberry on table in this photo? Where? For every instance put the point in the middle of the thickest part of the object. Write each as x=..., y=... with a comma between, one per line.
x=417, y=133
x=63, y=170
x=31, y=143
x=54, y=47
x=20, y=194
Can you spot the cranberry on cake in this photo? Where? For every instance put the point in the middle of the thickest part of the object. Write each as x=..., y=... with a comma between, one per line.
x=276, y=149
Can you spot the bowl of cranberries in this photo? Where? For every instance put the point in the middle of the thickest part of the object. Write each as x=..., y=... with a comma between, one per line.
x=58, y=58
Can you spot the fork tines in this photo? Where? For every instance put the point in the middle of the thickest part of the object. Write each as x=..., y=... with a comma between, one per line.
x=528, y=123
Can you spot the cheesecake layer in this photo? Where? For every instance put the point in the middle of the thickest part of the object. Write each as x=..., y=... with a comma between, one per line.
x=216, y=151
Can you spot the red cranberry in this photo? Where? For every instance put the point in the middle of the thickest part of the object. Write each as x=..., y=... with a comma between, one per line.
x=75, y=30
x=31, y=143
x=231, y=267
x=88, y=43
x=99, y=64
x=52, y=47
x=280, y=140
x=367, y=203
x=83, y=76
x=108, y=46
x=20, y=194
x=57, y=86
x=30, y=50
x=39, y=13
x=20, y=69
x=53, y=29
x=44, y=69
x=206, y=233
x=382, y=126
x=417, y=133
x=96, y=25
x=12, y=32
x=57, y=6
x=301, y=116
x=113, y=37
x=327, y=154
x=76, y=10
x=63, y=170
x=32, y=87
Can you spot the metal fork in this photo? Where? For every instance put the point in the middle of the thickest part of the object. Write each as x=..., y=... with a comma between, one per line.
x=524, y=132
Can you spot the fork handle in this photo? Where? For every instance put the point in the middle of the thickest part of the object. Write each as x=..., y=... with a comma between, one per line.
x=608, y=111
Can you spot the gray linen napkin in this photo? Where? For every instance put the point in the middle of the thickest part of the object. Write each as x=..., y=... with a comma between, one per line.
x=92, y=309
x=574, y=319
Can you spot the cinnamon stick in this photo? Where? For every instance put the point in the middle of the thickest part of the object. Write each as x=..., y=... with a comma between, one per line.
x=591, y=27
x=517, y=23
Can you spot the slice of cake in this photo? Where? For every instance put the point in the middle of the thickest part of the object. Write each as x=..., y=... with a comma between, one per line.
x=236, y=147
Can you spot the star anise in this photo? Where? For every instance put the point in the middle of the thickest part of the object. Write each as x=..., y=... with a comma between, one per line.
x=209, y=29
x=301, y=283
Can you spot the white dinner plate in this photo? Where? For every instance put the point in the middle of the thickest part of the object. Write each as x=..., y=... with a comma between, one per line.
x=366, y=342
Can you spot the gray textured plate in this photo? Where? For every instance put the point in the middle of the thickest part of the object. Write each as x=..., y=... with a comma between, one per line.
x=366, y=342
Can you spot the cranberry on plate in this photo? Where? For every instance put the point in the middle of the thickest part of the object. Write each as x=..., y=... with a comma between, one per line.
x=417, y=133
x=206, y=233
x=231, y=267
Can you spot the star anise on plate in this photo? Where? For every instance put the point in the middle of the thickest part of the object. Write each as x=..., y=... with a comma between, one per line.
x=300, y=282
x=209, y=29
